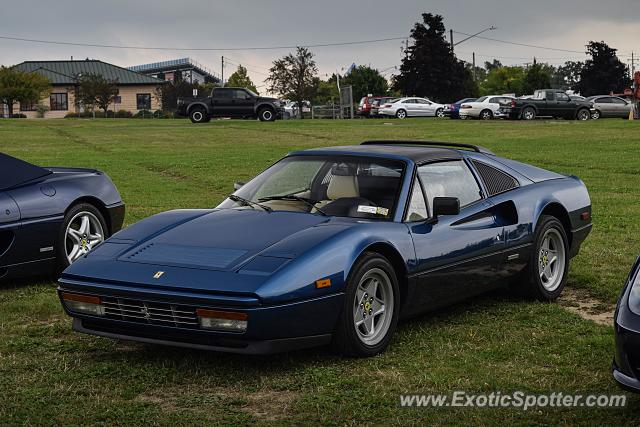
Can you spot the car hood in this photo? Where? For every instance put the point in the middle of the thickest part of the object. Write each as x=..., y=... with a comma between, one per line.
x=224, y=240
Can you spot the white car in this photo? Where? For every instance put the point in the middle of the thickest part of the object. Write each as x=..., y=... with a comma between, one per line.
x=412, y=107
x=485, y=108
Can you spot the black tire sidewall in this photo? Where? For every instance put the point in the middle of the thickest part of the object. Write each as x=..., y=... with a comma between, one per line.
x=61, y=255
x=525, y=111
x=399, y=112
x=482, y=115
x=264, y=119
x=196, y=110
x=346, y=337
x=537, y=290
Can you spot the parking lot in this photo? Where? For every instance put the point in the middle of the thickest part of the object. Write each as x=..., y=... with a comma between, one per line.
x=49, y=375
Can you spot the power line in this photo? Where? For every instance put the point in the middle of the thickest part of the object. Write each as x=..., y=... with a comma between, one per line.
x=200, y=48
x=521, y=44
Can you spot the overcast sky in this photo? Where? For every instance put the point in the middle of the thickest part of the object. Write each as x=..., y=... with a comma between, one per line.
x=566, y=24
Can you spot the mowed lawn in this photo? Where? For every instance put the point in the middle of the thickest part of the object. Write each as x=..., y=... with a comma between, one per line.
x=49, y=375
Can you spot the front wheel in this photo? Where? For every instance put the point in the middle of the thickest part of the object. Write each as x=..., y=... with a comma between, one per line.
x=83, y=229
x=440, y=113
x=370, y=309
x=266, y=115
x=549, y=262
x=198, y=115
x=583, y=115
x=596, y=115
x=401, y=114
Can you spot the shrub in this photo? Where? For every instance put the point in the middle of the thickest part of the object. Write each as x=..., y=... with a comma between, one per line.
x=124, y=114
x=41, y=109
x=19, y=116
x=143, y=114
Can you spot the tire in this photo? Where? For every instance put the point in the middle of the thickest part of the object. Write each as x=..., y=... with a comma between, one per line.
x=401, y=114
x=198, y=115
x=266, y=114
x=463, y=117
x=529, y=113
x=440, y=113
x=81, y=240
x=486, y=115
x=550, y=241
x=596, y=115
x=583, y=115
x=358, y=310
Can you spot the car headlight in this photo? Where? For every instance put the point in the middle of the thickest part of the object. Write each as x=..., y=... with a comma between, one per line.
x=226, y=321
x=634, y=295
x=84, y=304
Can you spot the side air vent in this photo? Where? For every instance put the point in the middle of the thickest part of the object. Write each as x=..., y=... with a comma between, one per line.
x=494, y=179
x=6, y=240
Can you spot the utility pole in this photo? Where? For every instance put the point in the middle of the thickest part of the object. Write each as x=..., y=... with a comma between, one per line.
x=474, y=66
x=451, y=39
x=222, y=75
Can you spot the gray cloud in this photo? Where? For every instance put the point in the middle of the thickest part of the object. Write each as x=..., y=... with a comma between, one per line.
x=191, y=24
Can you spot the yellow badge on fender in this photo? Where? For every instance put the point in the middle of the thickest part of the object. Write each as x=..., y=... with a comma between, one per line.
x=158, y=275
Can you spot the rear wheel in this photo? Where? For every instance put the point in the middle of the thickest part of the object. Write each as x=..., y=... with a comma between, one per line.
x=83, y=229
x=486, y=115
x=198, y=115
x=596, y=115
x=401, y=114
x=546, y=273
x=370, y=309
x=529, y=113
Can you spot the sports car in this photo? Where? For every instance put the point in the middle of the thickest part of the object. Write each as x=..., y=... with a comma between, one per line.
x=50, y=217
x=626, y=364
x=333, y=245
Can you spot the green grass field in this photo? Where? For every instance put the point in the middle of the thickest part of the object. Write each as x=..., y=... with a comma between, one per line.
x=49, y=375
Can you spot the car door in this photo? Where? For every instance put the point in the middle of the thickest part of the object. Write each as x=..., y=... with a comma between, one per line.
x=564, y=106
x=605, y=106
x=459, y=255
x=222, y=102
x=620, y=107
x=428, y=107
x=411, y=106
x=243, y=102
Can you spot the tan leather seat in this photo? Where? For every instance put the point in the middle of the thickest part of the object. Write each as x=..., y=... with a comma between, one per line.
x=340, y=186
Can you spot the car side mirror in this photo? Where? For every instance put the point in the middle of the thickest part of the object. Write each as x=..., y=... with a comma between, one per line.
x=445, y=206
x=238, y=185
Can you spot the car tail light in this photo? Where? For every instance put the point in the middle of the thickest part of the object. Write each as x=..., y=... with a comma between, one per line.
x=465, y=106
x=513, y=104
x=386, y=106
x=85, y=304
x=227, y=321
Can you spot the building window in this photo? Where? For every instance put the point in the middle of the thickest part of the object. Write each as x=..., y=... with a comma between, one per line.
x=143, y=101
x=117, y=99
x=59, y=102
x=29, y=106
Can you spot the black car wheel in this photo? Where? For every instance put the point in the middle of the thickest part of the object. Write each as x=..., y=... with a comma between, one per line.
x=546, y=273
x=529, y=113
x=83, y=229
x=401, y=114
x=266, y=115
x=370, y=309
x=583, y=115
x=486, y=115
x=198, y=115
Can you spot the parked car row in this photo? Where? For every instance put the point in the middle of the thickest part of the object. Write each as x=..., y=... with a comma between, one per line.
x=547, y=103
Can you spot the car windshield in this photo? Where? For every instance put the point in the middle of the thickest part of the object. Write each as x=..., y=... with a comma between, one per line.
x=343, y=186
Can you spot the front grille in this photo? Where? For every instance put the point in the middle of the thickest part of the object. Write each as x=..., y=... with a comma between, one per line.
x=153, y=313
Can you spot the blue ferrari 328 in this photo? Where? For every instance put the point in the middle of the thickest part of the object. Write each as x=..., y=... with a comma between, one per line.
x=50, y=217
x=333, y=245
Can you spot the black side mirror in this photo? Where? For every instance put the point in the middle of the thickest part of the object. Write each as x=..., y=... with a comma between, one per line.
x=445, y=206
x=238, y=185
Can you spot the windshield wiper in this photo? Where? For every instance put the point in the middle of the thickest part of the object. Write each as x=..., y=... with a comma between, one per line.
x=293, y=197
x=251, y=203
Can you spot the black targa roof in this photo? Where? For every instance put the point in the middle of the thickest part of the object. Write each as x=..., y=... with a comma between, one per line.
x=14, y=171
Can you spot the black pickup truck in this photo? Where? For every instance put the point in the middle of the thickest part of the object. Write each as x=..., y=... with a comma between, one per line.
x=230, y=102
x=549, y=103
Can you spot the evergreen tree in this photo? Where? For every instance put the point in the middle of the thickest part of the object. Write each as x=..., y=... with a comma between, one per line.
x=430, y=68
x=603, y=73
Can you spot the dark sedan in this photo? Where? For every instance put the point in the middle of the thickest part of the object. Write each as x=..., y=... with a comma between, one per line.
x=626, y=365
x=453, y=110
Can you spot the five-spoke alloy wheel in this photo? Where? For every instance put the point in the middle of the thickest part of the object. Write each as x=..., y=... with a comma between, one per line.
x=83, y=229
x=370, y=309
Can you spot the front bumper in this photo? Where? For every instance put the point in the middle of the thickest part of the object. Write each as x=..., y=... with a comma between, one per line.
x=270, y=329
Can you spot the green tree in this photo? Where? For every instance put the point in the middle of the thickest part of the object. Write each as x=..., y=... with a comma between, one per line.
x=567, y=76
x=240, y=79
x=365, y=80
x=326, y=91
x=430, y=68
x=94, y=90
x=503, y=80
x=292, y=77
x=603, y=73
x=535, y=77
x=18, y=86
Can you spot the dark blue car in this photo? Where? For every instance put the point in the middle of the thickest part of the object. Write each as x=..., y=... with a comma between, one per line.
x=333, y=245
x=453, y=110
x=50, y=217
x=626, y=365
